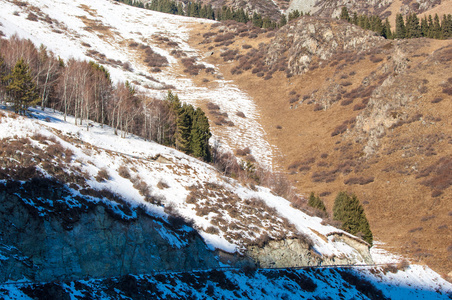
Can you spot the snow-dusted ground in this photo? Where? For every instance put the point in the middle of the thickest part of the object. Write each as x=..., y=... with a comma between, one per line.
x=101, y=148
x=125, y=24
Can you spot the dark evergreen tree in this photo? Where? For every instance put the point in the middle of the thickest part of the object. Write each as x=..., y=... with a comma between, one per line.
x=184, y=123
x=344, y=14
x=413, y=29
x=200, y=135
x=424, y=27
x=436, y=27
x=446, y=26
x=355, y=18
x=294, y=15
x=257, y=20
x=316, y=202
x=282, y=20
x=430, y=26
x=349, y=211
x=21, y=88
x=387, y=30
x=400, y=31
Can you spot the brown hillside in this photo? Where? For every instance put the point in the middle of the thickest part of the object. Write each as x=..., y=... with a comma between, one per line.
x=352, y=111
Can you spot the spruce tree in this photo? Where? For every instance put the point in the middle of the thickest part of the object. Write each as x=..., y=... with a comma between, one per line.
x=183, y=128
x=424, y=27
x=282, y=21
x=344, y=14
x=436, y=27
x=316, y=202
x=349, y=211
x=387, y=30
x=400, y=31
x=21, y=87
x=200, y=135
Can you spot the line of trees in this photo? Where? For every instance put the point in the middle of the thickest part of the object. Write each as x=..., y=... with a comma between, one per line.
x=410, y=27
x=205, y=11
x=85, y=90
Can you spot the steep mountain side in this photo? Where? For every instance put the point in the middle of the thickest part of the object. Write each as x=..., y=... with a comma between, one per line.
x=55, y=234
x=371, y=119
x=141, y=192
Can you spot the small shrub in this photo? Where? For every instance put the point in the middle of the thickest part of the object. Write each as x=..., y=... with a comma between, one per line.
x=437, y=100
x=212, y=230
x=339, y=130
x=403, y=265
x=243, y=152
x=212, y=106
x=123, y=171
x=318, y=107
x=162, y=185
x=32, y=17
x=240, y=114
x=346, y=102
x=102, y=175
x=359, y=180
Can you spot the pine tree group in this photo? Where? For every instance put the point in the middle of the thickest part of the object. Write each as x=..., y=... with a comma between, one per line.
x=349, y=211
x=410, y=27
x=192, y=128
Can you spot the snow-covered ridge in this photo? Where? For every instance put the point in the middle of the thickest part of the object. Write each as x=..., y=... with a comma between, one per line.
x=172, y=177
x=73, y=29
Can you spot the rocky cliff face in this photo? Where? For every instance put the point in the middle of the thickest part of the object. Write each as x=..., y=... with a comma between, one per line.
x=297, y=253
x=311, y=42
x=50, y=233
x=46, y=236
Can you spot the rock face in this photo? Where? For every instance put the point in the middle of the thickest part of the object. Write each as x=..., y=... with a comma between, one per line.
x=48, y=234
x=313, y=41
x=296, y=253
x=43, y=238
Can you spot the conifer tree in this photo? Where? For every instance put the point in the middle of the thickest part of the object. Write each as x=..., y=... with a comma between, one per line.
x=355, y=19
x=282, y=20
x=349, y=211
x=344, y=14
x=400, y=31
x=257, y=20
x=387, y=30
x=424, y=27
x=183, y=128
x=21, y=87
x=316, y=202
x=446, y=26
x=413, y=29
x=294, y=15
x=436, y=27
x=200, y=135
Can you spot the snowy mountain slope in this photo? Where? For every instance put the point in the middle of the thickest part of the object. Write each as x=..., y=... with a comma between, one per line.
x=101, y=30
x=326, y=283
x=170, y=178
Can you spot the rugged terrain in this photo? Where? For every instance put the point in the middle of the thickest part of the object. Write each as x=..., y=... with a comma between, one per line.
x=328, y=104
x=348, y=110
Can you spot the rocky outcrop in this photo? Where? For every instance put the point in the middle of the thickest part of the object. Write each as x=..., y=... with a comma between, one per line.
x=49, y=234
x=313, y=41
x=298, y=253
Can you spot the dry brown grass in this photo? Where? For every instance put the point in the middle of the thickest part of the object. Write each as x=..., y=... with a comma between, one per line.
x=398, y=193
